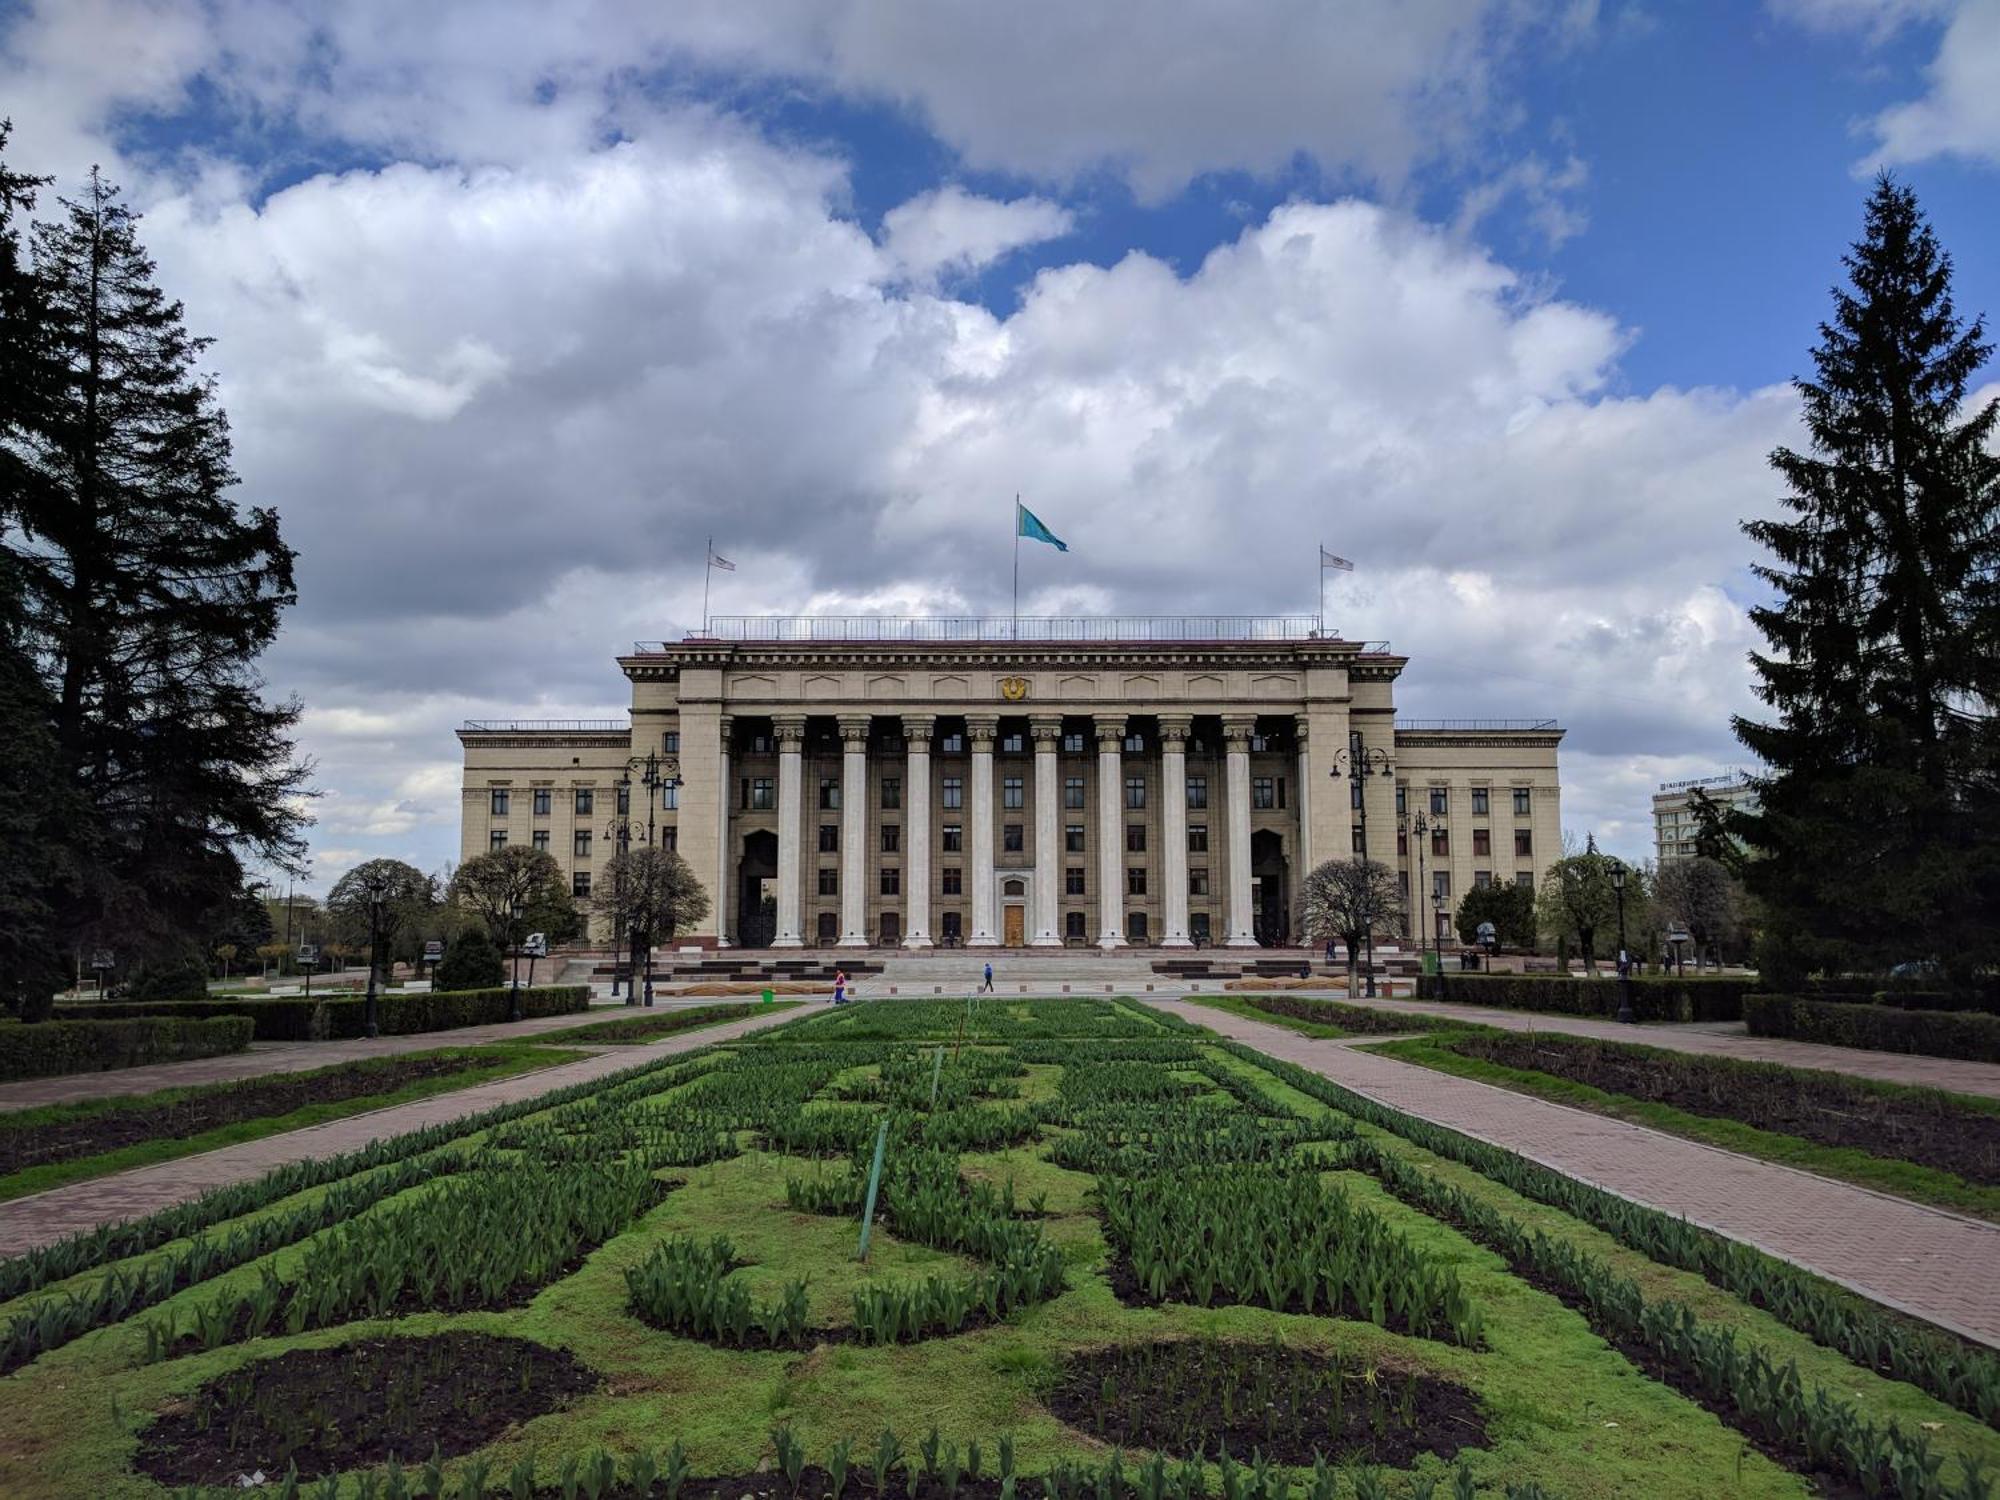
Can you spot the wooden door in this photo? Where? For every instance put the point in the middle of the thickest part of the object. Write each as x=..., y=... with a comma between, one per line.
x=1016, y=924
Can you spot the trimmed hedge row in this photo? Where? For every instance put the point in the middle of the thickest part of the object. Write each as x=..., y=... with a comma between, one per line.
x=1665, y=998
x=1879, y=1028
x=295, y=1018
x=45, y=1049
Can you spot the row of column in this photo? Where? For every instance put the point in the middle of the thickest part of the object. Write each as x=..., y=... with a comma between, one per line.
x=981, y=731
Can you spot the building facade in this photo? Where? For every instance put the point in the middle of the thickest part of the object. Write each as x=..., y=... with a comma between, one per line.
x=1674, y=825
x=1088, y=782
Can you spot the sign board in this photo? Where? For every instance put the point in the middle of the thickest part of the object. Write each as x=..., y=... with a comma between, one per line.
x=433, y=951
x=308, y=955
x=537, y=945
x=1680, y=935
x=1487, y=932
x=100, y=958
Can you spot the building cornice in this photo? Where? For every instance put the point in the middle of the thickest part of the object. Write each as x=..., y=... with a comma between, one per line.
x=547, y=739
x=671, y=659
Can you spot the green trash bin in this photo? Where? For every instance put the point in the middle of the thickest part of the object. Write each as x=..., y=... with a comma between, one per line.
x=1431, y=964
x=769, y=996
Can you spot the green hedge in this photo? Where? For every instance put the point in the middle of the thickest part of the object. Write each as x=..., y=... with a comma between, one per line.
x=1879, y=1028
x=43, y=1049
x=295, y=1018
x=1662, y=998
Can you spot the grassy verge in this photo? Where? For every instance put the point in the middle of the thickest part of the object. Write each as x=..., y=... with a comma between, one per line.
x=1340, y=1021
x=501, y=1060
x=650, y=1026
x=1902, y=1178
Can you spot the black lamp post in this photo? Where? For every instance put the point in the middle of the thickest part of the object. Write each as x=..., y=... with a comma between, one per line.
x=1624, y=959
x=1420, y=828
x=514, y=944
x=377, y=892
x=1356, y=764
x=100, y=960
x=621, y=832
x=652, y=772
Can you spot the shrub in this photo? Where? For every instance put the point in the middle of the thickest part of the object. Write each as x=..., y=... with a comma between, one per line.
x=42, y=1049
x=1880, y=1028
x=471, y=963
x=1662, y=998
x=294, y=1018
x=179, y=977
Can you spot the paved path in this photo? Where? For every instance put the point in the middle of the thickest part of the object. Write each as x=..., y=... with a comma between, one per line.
x=264, y=1058
x=42, y=1218
x=1922, y=1260
x=1714, y=1039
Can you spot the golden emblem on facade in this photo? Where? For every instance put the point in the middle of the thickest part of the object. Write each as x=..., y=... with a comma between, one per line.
x=1013, y=689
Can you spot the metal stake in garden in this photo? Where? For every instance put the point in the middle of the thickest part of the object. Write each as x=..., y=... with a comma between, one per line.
x=874, y=1182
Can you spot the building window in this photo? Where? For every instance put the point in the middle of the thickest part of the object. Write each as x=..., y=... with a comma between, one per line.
x=1403, y=886
x=670, y=795
x=1479, y=802
x=950, y=878
x=1073, y=839
x=1263, y=792
x=1135, y=838
x=1440, y=800
x=1482, y=841
x=892, y=838
x=1198, y=882
x=586, y=802
x=579, y=884
x=761, y=744
x=670, y=837
x=542, y=800
x=1520, y=802
x=1403, y=842
x=760, y=798
x=1355, y=840
x=1135, y=791
x=1440, y=841
x=1135, y=881
x=1135, y=742
x=1072, y=882
x=892, y=793
x=951, y=744
x=497, y=839
x=1259, y=743
x=1525, y=879
x=624, y=800
x=1440, y=885
x=829, y=793
x=892, y=881
x=954, y=792
x=670, y=742
x=1197, y=792
x=1013, y=742
x=1072, y=743
x=829, y=838
x=1011, y=793
x=954, y=838
x=1524, y=843
x=1073, y=926
x=581, y=845
x=1197, y=838
x=1010, y=838
x=1353, y=793
x=1402, y=800
x=540, y=839
x=498, y=802
x=829, y=882
x=1481, y=879
x=1073, y=792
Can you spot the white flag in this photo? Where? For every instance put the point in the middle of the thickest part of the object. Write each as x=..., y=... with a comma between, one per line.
x=1328, y=560
x=717, y=560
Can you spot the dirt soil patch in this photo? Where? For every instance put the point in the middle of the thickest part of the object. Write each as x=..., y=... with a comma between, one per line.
x=203, y=1110
x=353, y=1405
x=1932, y=1130
x=1191, y=1398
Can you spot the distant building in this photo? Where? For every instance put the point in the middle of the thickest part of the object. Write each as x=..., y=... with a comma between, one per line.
x=1674, y=825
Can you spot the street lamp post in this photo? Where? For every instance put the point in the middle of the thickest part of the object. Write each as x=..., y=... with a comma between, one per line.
x=1420, y=828
x=514, y=946
x=621, y=831
x=1624, y=958
x=1361, y=762
x=652, y=772
x=377, y=892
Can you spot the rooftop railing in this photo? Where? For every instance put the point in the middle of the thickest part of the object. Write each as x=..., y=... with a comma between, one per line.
x=1476, y=724
x=1002, y=629
x=531, y=726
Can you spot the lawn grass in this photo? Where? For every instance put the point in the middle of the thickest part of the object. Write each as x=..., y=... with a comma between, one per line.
x=1565, y=1410
x=1903, y=1179
x=650, y=1025
x=1336, y=1010
x=498, y=1060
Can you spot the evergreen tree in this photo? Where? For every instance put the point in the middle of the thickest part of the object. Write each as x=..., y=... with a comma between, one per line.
x=147, y=597
x=1878, y=838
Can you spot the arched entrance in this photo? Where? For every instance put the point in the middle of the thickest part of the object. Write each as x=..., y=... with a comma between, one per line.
x=1270, y=888
x=756, y=890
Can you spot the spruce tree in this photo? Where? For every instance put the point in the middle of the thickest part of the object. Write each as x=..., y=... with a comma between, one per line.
x=147, y=597
x=1878, y=838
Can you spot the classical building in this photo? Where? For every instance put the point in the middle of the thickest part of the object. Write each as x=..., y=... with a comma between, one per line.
x=995, y=783
x=1674, y=826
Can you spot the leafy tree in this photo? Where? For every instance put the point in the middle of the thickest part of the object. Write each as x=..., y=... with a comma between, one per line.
x=650, y=893
x=1878, y=837
x=181, y=975
x=471, y=963
x=1350, y=899
x=1700, y=895
x=1510, y=908
x=1577, y=904
x=147, y=597
x=410, y=896
x=516, y=890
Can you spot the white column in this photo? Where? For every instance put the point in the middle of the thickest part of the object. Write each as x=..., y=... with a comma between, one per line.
x=791, y=733
x=980, y=729
x=1046, y=730
x=854, y=830
x=1236, y=730
x=723, y=793
x=917, y=833
x=1110, y=829
x=1173, y=829
x=1302, y=866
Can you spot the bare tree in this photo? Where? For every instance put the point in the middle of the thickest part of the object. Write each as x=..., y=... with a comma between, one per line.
x=1349, y=899
x=650, y=894
x=1700, y=895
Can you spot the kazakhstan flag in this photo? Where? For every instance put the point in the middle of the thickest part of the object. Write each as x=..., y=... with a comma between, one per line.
x=1028, y=524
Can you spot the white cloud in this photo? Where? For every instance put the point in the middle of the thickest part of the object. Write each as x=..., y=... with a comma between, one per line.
x=950, y=231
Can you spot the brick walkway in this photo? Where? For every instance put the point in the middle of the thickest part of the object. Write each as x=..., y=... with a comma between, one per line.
x=42, y=1218
x=1716, y=1040
x=292, y=1057
x=1921, y=1260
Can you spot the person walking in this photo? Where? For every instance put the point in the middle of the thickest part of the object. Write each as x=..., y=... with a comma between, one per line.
x=840, y=986
x=987, y=987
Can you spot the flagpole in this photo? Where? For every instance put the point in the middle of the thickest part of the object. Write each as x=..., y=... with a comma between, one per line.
x=707, y=569
x=1322, y=587
x=1017, y=567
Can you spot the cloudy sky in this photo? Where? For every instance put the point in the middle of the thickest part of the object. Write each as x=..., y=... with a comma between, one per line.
x=516, y=301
